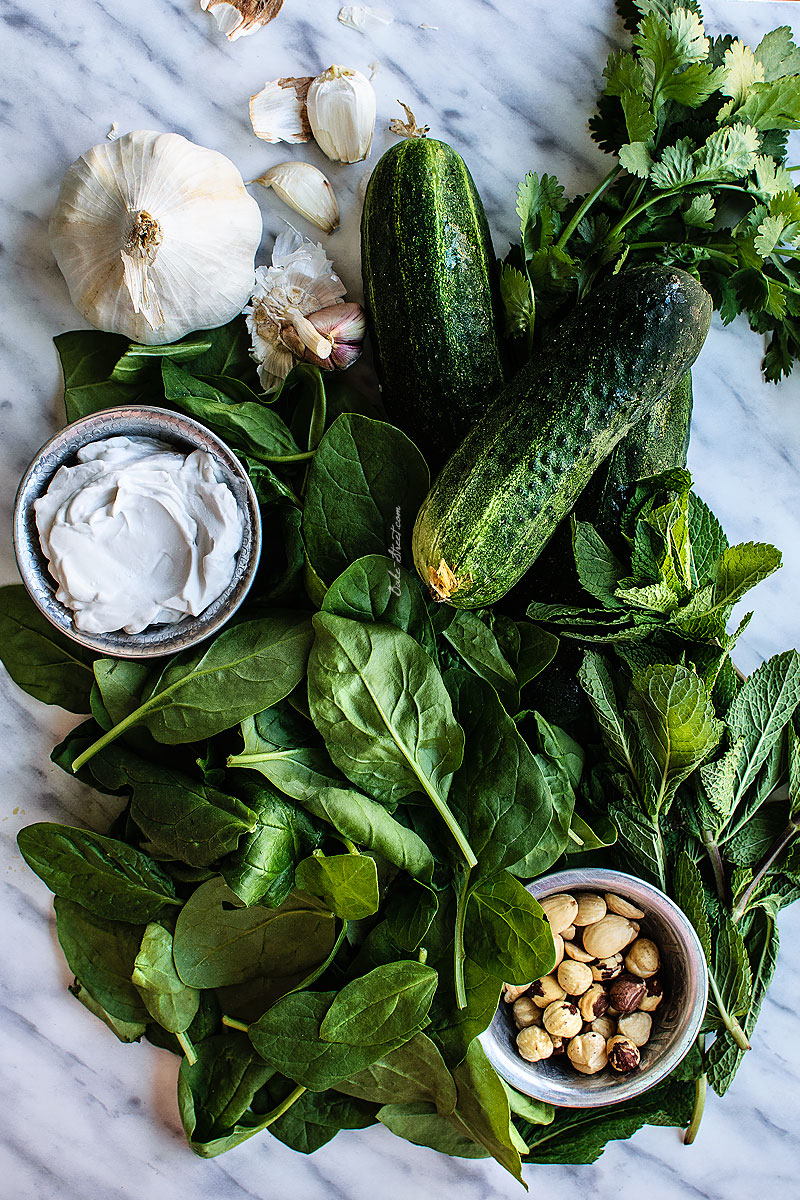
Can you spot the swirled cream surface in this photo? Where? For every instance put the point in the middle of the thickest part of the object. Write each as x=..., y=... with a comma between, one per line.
x=137, y=533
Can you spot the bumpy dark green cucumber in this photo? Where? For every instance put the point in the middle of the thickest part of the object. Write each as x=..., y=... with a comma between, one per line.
x=520, y=471
x=430, y=285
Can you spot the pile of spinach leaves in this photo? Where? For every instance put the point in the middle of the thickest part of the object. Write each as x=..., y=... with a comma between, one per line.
x=311, y=882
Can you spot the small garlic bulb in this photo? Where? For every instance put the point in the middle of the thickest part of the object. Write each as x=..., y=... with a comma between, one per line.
x=341, y=112
x=156, y=237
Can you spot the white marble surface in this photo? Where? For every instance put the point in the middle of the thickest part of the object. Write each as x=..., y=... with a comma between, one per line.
x=509, y=83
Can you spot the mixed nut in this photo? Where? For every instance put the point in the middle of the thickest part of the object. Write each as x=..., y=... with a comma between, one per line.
x=595, y=1005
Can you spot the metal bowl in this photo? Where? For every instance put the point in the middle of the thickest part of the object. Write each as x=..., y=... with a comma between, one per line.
x=676, y=1022
x=186, y=435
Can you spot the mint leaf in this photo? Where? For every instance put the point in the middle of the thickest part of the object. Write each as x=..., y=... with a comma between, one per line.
x=760, y=712
x=740, y=568
x=675, y=719
x=707, y=540
x=595, y=679
x=599, y=570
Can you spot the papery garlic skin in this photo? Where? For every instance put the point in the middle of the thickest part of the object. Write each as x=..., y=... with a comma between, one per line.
x=341, y=112
x=345, y=327
x=305, y=189
x=278, y=112
x=300, y=281
x=239, y=18
x=155, y=236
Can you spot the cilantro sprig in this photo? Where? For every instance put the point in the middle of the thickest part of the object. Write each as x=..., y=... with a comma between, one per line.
x=698, y=129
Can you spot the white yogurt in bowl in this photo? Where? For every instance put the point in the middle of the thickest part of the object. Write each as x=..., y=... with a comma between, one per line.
x=138, y=533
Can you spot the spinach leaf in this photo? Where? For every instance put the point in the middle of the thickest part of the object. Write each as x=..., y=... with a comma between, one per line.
x=216, y=1091
x=507, y=931
x=121, y=684
x=169, y=1001
x=409, y=914
x=218, y=942
x=288, y=1037
x=316, y=1118
x=367, y=823
x=88, y=359
x=229, y=354
x=137, y=361
x=499, y=795
x=482, y=1110
x=288, y=752
x=261, y=870
x=246, y=425
x=413, y=1072
x=124, y=1031
x=181, y=818
x=388, y=1004
x=477, y=645
x=45, y=664
x=347, y=884
x=380, y=703
x=419, y=1122
x=101, y=955
x=365, y=487
x=375, y=588
x=106, y=876
x=247, y=668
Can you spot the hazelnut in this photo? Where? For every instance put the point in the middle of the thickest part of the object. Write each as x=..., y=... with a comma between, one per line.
x=636, y=1027
x=608, y=936
x=534, y=1044
x=562, y=1019
x=526, y=1013
x=622, y=1054
x=558, y=941
x=593, y=1003
x=587, y=1053
x=560, y=911
x=605, y=1026
x=591, y=908
x=559, y=1046
x=513, y=991
x=569, y=933
x=625, y=993
x=574, y=977
x=573, y=950
x=643, y=958
x=545, y=990
x=604, y=969
x=624, y=908
x=653, y=994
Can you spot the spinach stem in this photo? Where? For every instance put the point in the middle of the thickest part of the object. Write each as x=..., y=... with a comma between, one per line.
x=188, y=1049
x=700, y=1092
x=728, y=1019
x=774, y=852
x=112, y=734
x=584, y=207
x=232, y=1023
x=281, y=1108
x=712, y=850
x=459, y=953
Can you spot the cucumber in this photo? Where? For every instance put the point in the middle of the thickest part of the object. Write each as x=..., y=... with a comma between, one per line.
x=521, y=469
x=431, y=291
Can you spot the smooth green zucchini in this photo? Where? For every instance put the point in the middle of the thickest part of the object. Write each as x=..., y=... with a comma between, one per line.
x=431, y=291
x=502, y=494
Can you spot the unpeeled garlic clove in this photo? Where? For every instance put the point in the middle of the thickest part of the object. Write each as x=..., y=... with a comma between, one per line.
x=341, y=112
x=305, y=189
x=238, y=18
x=345, y=326
x=278, y=112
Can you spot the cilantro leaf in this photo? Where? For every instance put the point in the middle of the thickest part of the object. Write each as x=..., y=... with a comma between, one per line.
x=518, y=303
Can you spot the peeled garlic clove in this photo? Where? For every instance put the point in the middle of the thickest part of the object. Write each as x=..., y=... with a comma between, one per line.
x=155, y=237
x=306, y=190
x=345, y=326
x=238, y=18
x=278, y=112
x=341, y=112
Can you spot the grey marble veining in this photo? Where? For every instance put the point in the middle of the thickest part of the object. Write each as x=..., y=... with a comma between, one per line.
x=510, y=83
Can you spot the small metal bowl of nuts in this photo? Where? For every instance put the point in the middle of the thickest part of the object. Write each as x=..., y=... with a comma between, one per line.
x=623, y=1004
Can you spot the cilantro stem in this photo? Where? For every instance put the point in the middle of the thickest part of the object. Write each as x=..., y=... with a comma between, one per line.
x=728, y=1019
x=584, y=206
x=775, y=851
x=715, y=857
x=643, y=207
x=459, y=954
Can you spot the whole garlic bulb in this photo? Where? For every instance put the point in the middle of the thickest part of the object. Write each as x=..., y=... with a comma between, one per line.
x=155, y=236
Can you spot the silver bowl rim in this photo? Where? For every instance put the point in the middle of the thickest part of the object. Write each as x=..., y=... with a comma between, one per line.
x=526, y=1079
x=145, y=420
